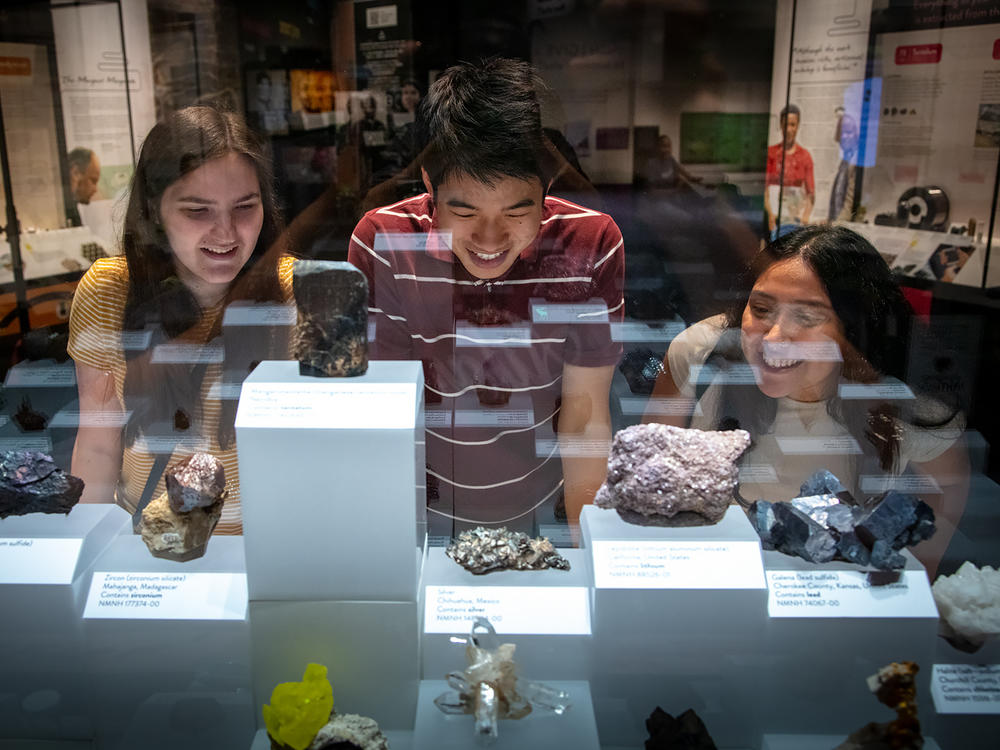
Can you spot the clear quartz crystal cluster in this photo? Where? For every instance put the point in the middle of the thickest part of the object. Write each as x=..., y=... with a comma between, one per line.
x=489, y=688
x=485, y=550
x=825, y=523
x=969, y=603
x=664, y=475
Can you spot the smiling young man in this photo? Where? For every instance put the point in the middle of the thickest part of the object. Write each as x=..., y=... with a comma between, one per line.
x=507, y=295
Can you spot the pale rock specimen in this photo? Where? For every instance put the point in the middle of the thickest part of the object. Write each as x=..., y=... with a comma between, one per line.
x=358, y=731
x=485, y=550
x=664, y=475
x=197, y=483
x=969, y=603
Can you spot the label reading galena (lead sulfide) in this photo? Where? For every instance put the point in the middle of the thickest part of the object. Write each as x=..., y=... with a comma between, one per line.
x=847, y=593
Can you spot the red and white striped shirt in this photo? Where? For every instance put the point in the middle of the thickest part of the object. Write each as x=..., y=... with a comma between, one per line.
x=493, y=350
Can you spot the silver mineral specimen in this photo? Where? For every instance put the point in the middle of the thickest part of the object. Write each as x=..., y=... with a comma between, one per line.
x=664, y=475
x=484, y=550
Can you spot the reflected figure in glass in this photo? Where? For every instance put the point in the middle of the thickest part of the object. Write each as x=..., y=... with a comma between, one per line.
x=157, y=378
x=811, y=361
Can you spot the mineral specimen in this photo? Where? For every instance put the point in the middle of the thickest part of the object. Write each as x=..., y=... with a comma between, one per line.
x=641, y=368
x=489, y=688
x=969, y=603
x=177, y=524
x=331, y=337
x=668, y=476
x=686, y=732
x=28, y=418
x=195, y=482
x=298, y=710
x=895, y=686
x=829, y=525
x=485, y=550
x=350, y=731
x=30, y=482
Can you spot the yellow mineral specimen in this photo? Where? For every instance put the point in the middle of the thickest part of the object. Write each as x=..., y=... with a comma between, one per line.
x=298, y=710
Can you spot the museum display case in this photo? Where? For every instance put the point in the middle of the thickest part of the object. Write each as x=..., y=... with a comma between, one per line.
x=419, y=398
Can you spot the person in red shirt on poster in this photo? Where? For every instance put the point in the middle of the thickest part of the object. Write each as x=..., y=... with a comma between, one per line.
x=508, y=296
x=789, y=187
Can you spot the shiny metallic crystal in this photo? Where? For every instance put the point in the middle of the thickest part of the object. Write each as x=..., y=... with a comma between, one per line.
x=30, y=482
x=664, y=475
x=485, y=550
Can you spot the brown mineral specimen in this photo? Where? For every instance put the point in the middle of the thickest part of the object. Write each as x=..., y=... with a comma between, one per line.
x=895, y=686
x=331, y=337
x=177, y=524
x=195, y=482
x=668, y=476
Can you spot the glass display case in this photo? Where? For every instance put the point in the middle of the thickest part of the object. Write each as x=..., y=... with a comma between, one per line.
x=589, y=372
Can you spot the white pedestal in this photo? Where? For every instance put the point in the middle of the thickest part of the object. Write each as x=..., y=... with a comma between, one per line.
x=679, y=615
x=44, y=560
x=331, y=479
x=370, y=649
x=575, y=729
x=546, y=613
x=807, y=657
x=168, y=683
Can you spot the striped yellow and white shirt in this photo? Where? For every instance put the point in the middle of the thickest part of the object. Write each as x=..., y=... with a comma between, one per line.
x=95, y=340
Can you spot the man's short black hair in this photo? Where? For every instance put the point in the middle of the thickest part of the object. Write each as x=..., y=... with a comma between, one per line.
x=483, y=121
x=789, y=109
x=80, y=158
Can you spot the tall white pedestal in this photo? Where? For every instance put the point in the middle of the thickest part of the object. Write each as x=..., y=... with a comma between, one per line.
x=177, y=682
x=331, y=481
x=679, y=615
x=44, y=560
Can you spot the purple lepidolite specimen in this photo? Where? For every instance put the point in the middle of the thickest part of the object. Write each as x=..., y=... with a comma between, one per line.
x=30, y=482
x=331, y=337
x=664, y=475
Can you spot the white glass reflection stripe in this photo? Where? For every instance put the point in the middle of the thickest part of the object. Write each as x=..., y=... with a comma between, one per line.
x=476, y=386
x=437, y=418
x=259, y=315
x=572, y=447
x=840, y=445
x=758, y=474
x=810, y=351
x=75, y=418
x=873, y=484
x=403, y=241
x=635, y=331
x=363, y=246
x=188, y=353
x=41, y=375
x=494, y=418
x=588, y=312
x=897, y=390
x=737, y=374
x=677, y=406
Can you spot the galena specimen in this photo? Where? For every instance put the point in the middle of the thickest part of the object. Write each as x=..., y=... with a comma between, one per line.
x=485, y=550
x=331, y=337
x=30, y=482
x=669, y=476
x=490, y=689
x=895, y=686
x=825, y=523
x=177, y=524
x=969, y=603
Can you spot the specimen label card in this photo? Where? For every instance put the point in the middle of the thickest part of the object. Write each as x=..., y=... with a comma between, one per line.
x=38, y=560
x=666, y=564
x=521, y=610
x=332, y=403
x=847, y=593
x=167, y=596
x=966, y=688
x=42, y=376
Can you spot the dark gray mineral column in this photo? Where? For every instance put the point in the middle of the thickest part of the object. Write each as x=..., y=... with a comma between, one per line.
x=331, y=337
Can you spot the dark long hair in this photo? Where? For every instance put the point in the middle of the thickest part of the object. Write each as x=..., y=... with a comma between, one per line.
x=158, y=301
x=876, y=322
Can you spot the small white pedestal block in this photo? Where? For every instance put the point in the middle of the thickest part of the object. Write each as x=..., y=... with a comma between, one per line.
x=44, y=560
x=819, y=741
x=169, y=683
x=332, y=483
x=370, y=650
x=575, y=729
x=679, y=615
x=844, y=632
x=546, y=613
